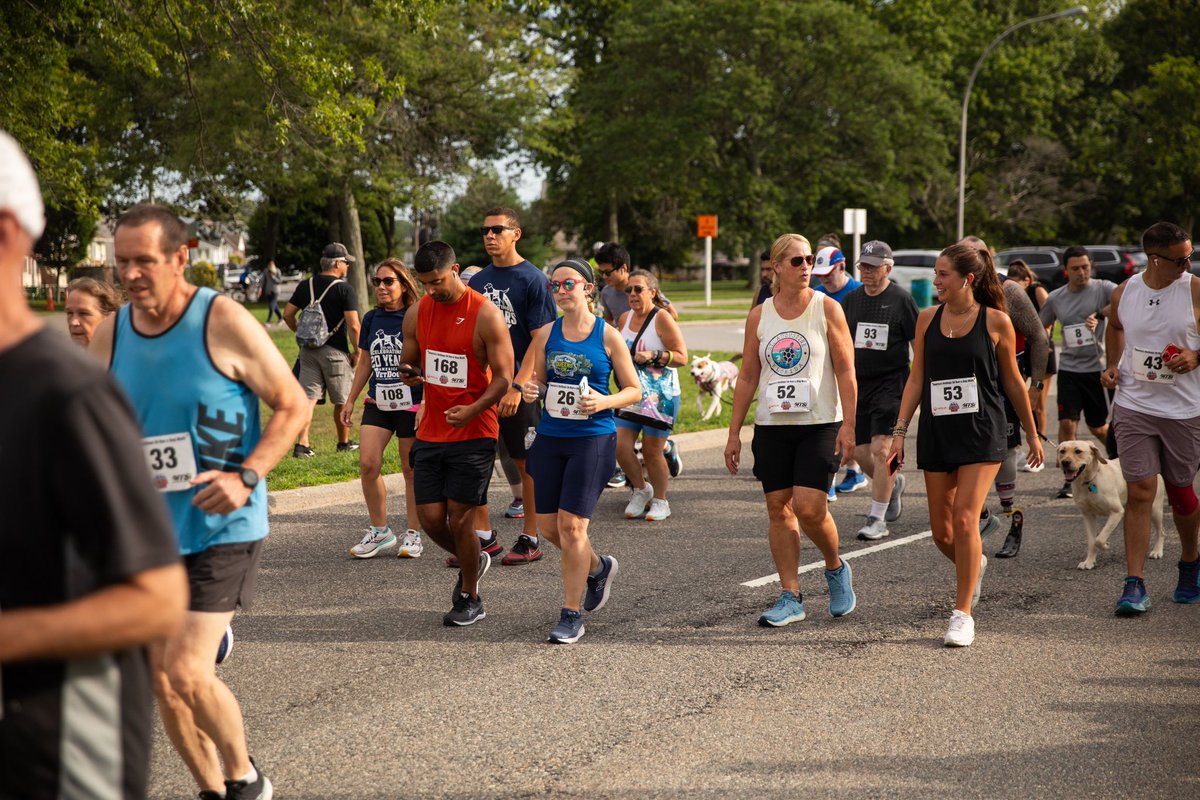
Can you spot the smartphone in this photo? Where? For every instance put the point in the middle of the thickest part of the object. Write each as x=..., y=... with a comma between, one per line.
x=893, y=464
x=411, y=372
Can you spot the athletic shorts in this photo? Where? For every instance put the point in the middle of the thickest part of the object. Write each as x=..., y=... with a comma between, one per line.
x=401, y=423
x=514, y=428
x=223, y=577
x=458, y=471
x=878, y=405
x=571, y=473
x=649, y=430
x=1081, y=391
x=325, y=369
x=786, y=456
x=1150, y=445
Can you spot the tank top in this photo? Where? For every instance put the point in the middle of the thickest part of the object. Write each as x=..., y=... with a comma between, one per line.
x=962, y=410
x=566, y=363
x=193, y=419
x=453, y=374
x=650, y=341
x=1154, y=318
x=796, y=384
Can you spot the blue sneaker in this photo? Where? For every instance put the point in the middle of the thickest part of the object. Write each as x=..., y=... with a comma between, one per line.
x=853, y=481
x=226, y=645
x=569, y=627
x=988, y=525
x=599, y=586
x=1134, y=599
x=515, y=510
x=833, y=494
x=841, y=590
x=787, y=609
x=1188, y=590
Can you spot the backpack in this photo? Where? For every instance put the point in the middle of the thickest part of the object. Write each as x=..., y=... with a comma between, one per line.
x=312, y=329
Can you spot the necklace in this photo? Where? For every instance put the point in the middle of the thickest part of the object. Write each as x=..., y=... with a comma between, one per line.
x=958, y=327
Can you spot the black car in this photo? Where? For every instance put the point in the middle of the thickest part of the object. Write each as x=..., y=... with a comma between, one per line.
x=1046, y=263
x=1114, y=262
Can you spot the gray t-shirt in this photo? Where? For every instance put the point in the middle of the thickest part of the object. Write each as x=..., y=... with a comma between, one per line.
x=1083, y=350
x=616, y=302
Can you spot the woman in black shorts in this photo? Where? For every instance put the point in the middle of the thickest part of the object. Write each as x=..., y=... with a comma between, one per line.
x=390, y=408
x=963, y=358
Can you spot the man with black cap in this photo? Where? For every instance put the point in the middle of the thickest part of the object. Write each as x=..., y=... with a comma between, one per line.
x=321, y=312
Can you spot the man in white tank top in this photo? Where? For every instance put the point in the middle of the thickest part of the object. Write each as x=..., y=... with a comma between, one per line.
x=1151, y=354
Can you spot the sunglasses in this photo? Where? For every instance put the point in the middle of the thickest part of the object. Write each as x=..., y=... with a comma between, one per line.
x=569, y=284
x=388, y=281
x=797, y=261
x=1180, y=262
x=635, y=289
x=495, y=229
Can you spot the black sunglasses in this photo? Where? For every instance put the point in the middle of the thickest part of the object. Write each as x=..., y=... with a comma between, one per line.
x=388, y=281
x=796, y=261
x=1180, y=262
x=496, y=229
x=635, y=289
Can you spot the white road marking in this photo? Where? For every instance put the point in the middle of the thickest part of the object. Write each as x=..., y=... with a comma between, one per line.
x=875, y=548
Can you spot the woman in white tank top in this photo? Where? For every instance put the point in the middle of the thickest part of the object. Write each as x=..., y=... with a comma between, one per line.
x=799, y=356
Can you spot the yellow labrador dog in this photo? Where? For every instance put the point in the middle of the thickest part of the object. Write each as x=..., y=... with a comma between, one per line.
x=1100, y=492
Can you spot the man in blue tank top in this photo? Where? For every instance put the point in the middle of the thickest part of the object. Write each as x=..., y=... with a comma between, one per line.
x=195, y=365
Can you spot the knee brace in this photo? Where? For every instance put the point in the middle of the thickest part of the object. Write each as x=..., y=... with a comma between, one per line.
x=1182, y=499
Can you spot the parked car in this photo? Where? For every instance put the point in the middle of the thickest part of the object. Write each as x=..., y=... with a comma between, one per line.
x=910, y=264
x=1046, y=263
x=1114, y=262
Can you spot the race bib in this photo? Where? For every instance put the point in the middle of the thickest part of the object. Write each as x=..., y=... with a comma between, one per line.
x=172, y=461
x=393, y=396
x=788, y=395
x=446, y=369
x=1077, y=336
x=562, y=401
x=956, y=396
x=1148, y=366
x=869, y=336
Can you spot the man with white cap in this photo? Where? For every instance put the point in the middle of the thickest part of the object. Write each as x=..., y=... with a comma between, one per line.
x=89, y=568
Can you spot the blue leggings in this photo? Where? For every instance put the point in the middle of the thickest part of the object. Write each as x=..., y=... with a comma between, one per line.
x=570, y=473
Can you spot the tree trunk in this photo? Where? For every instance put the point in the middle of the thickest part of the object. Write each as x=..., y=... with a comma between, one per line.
x=352, y=238
x=613, y=232
x=388, y=223
x=271, y=239
x=333, y=212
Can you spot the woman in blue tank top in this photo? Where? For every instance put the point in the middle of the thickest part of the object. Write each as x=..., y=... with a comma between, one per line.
x=574, y=453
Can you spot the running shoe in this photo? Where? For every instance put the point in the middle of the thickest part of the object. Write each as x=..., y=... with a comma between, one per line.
x=411, y=545
x=1065, y=492
x=303, y=451
x=874, y=529
x=639, y=501
x=373, y=543
x=491, y=546
x=1188, y=590
x=466, y=611
x=961, y=632
x=787, y=609
x=347, y=447
x=853, y=481
x=485, y=563
x=569, y=628
x=617, y=480
x=841, y=590
x=659, y=510
x=979, y=580
x=524, y=551
x=515, y=510
x=1012, y=542
x=206, y=794
x=226, y=645
x=896, y=503
x=1134, y=599
x=832, y=494
x=260, y=789
x=988, y=525
x=674, y=462
x=599, y=586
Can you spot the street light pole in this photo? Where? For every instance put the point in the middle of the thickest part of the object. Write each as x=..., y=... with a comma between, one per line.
x=962, y=134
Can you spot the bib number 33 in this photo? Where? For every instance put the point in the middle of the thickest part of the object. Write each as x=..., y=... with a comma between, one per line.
x=171, y=460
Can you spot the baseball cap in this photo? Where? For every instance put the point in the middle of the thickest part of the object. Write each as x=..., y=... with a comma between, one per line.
x=337, y=250
x=874, y=252
x=828, y=259
x=19, y=191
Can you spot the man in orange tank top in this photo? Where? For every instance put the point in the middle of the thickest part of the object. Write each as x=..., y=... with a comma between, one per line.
x=457, y=346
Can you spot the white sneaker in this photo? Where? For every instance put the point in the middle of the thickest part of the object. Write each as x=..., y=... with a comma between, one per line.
x=638, y=502
x=961, y=631
x=373, y=543
x=875, y=528
x=659, y=510
x=979, y=580
x=411, y=545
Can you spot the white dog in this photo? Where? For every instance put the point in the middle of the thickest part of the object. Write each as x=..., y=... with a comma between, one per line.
x=1100, y=493
x=714, y=378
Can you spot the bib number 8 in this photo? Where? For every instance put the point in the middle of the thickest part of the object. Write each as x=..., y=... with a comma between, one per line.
x=164, y=458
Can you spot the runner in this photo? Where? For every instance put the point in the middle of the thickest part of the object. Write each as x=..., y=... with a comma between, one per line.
x=196, y=365
x=390, y=408
x=1020, y=273
x=89, y=302
x=575, y=449
x=798, y=354
x=963, y=357
x=766, y=277
x=1152, y=342
x=882, y=318
x=467, y=367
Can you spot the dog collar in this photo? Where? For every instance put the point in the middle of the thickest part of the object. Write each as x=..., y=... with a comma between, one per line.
x=1092, y=488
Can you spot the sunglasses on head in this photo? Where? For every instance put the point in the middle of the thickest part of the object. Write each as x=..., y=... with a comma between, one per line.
x=635, y=289
x=569, y=284
x=797, y=261
x=496, y=229
x=388, y=281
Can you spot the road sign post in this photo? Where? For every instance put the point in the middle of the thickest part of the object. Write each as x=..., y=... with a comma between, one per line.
x=854, y=222
x=706, y=229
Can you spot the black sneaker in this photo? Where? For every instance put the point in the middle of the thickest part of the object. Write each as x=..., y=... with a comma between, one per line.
x=485, y=563
x=491, y=546
x=674, y=462
x=466, y=611
x=1065, y=492
x=303, y=451
x=261, y=789
x=208, y=794
x=599, y=586
x=347, y=447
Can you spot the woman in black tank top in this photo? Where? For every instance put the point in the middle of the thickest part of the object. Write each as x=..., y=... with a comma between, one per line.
x=964, y=355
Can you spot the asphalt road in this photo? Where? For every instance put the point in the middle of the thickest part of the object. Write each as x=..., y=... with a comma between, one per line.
x=352, y=688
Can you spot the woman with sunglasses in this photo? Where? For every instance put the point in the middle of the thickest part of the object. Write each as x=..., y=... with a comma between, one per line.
x=657, y=345
x=572, y=456
x=390, y=408
x=799, y=356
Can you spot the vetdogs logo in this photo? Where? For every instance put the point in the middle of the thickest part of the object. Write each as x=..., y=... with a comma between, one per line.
x=500, y=298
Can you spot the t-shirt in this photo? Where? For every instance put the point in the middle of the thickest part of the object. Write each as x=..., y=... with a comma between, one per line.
x=893, y=307
x=521, y=293
x=382, y=337
x=80, y=515
x=840, y=294
x=617, y=302
x=1082, y=350
x=764, y=292
x=341, y=298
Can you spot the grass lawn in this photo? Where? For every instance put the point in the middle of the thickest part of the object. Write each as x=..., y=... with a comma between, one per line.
x=693, y=291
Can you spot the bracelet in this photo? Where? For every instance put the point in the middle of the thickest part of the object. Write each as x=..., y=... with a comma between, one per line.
x=901, y=429
x=670, y=357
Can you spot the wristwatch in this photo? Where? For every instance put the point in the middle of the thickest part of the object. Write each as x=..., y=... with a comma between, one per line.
x=1039, y=385
x=249, y=478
